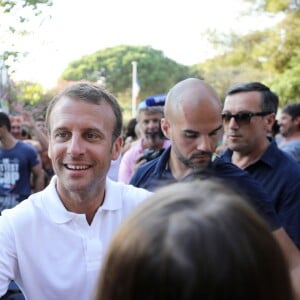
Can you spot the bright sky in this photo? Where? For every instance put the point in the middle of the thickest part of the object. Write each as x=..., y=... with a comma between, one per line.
x=78, y=28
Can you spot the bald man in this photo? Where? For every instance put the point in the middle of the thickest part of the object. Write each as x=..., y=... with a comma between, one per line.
x=193, y=123
x=194, y=134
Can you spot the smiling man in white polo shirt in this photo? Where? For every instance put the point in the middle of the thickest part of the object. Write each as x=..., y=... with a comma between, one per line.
x=53, y=243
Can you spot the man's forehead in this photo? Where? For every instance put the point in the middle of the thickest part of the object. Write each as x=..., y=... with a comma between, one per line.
x=244, y=96
x=200, y=126
x=148, y=114
x=285, y=115
x=243, y=100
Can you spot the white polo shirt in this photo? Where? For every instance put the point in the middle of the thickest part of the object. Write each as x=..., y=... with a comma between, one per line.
x=52, y=253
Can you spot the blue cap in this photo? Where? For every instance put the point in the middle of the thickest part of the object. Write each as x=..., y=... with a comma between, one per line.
x=156, y=100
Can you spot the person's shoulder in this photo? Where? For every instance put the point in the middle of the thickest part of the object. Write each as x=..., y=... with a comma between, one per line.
x=287, y=163
x=26, y=146
x=292, y=148
x=221, y=166
x=131, y=154
x=127, y=192
x=144, y=172
x=25, y=219
x=35, y=144
x=135, y=147
x=290, y=143
x=19, y=214
x=236, y=176
x=148, y=166
x=125, y=197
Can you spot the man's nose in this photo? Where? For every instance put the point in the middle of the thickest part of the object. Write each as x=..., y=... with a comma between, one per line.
x=76, y=145
x=152, y=124
x=204, y=143
x=233, y=123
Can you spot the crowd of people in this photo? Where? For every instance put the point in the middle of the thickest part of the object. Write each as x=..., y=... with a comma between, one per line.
x=158, y=209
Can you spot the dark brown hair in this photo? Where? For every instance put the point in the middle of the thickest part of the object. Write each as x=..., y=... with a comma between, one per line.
x=194, y=240
x=88, y=92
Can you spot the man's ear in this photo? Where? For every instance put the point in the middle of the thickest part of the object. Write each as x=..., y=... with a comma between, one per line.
x=297, y=121
x=165, y=127
x=116, y=147
x=269, y=122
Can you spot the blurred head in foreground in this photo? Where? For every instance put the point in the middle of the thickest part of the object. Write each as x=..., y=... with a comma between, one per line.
x=194, y=240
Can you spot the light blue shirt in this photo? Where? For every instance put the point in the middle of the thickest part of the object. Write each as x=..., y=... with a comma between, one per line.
x=292, y=148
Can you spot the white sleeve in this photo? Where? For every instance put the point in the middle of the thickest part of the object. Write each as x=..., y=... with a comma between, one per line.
x=8, y=257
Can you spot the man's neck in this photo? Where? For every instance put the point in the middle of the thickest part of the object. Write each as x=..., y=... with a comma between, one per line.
x=292, y=137
x=178, y=169
x=82, y=202
x=8, y=141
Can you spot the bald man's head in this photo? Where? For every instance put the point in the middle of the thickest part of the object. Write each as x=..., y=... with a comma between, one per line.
x=193, y=92
x=193, y=124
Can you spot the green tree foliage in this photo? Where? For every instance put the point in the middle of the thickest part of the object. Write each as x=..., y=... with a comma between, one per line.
x=29, y=93
x=289, y=45
x=25, y=93
x=287, y=83
x=221, y=77
x=270, y=56
x=156, y=72
x=29, y=96
x=16, y=18
x=275, y=6
x=17, y=14
x=9, y=5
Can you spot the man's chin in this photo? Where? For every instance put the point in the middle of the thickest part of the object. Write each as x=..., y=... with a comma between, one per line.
x=234, y=147
x=200, y=165
x=152, y=135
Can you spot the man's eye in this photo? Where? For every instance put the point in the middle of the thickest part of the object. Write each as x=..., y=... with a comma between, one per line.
x=91, y=136
x=190, y=135
x=61, y=134
x=214, y=133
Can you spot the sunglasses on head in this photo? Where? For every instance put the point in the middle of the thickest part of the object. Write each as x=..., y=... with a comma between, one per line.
x=243, y=117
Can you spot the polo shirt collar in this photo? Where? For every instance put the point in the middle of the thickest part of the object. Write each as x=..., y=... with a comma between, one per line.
x=59, y=214
x=113, y=195
x=162, y=165
x=269, y=157
x=163, y=161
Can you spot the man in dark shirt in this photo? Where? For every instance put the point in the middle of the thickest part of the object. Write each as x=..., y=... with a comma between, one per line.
x=248, y=116
x=193, y=124
x=155, y=174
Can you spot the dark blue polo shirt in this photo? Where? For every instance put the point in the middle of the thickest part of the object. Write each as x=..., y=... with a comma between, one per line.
x=156, y=173
x=280, y=177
